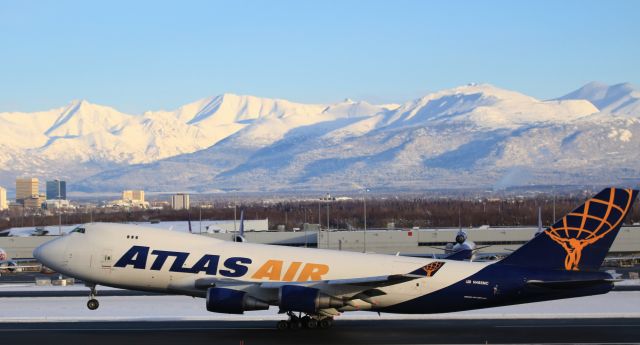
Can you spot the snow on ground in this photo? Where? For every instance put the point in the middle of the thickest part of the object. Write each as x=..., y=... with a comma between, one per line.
x=628, y=282
x=156, y=308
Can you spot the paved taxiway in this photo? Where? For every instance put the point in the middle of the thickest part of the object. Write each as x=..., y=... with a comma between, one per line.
x=617, y=331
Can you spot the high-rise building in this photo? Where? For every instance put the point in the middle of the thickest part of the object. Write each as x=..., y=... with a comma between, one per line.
x=3, y=199
x=127, y=195
x=133, y=195
x=138, y=195
x=56, y=190
x=26, y=188
x=180, y=201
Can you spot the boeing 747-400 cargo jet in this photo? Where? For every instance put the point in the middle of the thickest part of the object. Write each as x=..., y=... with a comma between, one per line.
x=313, y=286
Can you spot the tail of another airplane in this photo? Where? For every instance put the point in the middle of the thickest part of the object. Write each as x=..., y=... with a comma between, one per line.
x=582, y=238
x=239, y=237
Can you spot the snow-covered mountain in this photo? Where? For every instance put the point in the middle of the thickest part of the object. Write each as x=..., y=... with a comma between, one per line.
x=476, y=135
x=619, y=99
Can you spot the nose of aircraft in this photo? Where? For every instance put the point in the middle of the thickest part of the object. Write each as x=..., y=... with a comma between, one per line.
x=51, y=254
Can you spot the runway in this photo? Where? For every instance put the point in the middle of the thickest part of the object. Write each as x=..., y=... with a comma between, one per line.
x=516, y=331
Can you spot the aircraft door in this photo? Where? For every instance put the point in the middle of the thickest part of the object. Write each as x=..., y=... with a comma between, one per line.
x=106, y=260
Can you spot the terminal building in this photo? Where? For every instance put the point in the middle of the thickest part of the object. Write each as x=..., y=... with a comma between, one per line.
x=428, y=241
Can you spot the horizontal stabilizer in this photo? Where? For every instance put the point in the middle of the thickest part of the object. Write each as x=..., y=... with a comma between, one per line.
x=568, y=284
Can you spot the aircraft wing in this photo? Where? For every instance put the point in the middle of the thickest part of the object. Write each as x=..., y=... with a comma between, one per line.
x=375, y=281
x=364, y=282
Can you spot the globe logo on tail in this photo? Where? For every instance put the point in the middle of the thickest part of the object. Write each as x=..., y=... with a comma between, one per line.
x=590, y=223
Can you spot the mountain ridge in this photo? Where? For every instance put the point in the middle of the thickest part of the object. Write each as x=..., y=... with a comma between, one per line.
x=245, y=142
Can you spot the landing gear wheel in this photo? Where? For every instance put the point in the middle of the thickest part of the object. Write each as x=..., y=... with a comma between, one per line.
x=312, y=324
x=295, y=324
x=325, y=323
x=93, y=304
x=305, y=320
x=282, y=325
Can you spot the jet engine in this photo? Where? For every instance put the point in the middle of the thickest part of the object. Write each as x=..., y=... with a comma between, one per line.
x=230, y=301
x=306, y=300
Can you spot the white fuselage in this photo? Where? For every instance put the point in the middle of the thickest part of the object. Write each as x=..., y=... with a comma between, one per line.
x=142, y=258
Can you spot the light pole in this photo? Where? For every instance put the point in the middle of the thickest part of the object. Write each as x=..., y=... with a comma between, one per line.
x=364, y=233
x=59, y=211
x=305, y=225
x=234, y=217
x=554, y=207
x=326, y=199
x=328, y=226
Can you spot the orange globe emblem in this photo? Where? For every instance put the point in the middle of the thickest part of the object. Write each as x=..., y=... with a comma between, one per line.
x=587, y=225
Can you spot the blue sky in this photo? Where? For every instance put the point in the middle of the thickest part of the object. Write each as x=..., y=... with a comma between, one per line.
x=143, y=55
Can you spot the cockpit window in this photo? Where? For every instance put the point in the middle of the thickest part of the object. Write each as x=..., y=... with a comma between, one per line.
x=78, y=229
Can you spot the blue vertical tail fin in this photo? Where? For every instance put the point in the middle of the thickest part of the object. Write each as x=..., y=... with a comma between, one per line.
x=582, y=238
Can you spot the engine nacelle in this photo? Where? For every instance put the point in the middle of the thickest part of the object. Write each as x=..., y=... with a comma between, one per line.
x=306, y=300
x=461, y=237
x=230, y=301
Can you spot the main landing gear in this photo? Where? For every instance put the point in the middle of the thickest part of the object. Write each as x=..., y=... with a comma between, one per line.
x=93, y=303
x=308, y=321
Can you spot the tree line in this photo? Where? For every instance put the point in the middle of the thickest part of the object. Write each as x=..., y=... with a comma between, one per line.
x=345, y=214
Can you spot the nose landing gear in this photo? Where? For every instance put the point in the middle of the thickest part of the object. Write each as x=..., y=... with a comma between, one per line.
x=93, y=303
